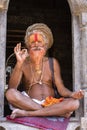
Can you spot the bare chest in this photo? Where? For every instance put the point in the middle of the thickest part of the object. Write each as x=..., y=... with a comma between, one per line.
x=42, y=76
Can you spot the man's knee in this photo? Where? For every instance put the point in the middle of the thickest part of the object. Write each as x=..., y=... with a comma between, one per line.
x=73, y=105
x=76, y=104
x=10, y=94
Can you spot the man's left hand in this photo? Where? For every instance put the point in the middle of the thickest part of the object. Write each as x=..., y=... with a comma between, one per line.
x=78, y=94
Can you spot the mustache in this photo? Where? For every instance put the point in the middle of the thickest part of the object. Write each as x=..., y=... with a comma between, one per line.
x=37, y=48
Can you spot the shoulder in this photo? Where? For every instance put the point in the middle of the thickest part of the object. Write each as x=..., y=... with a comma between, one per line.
x=56, y=64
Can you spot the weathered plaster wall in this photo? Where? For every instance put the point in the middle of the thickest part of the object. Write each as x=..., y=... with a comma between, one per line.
x=3, y=24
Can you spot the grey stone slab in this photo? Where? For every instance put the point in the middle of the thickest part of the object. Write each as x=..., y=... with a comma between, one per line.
x=14, y=126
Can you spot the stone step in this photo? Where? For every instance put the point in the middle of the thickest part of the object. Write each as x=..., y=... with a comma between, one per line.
x=14, y=126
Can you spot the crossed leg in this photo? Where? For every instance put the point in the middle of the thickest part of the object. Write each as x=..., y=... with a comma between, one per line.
x=18, y=100
x=64, y=108
x=27, y=107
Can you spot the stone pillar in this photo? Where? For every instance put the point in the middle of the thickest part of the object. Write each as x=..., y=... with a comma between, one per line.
x=3, y=23
x=83, y=28
x=76, y=48
x=3, y=30
x=79, y=35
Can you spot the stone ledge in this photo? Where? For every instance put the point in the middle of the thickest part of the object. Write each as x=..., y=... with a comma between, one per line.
x=84, y=123
x=73, y=126
x=14, y=126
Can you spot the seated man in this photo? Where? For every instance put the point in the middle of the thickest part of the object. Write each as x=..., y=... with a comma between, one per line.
x=33, y=69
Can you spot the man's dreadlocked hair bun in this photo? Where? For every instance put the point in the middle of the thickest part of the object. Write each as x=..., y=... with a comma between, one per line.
x=43, y=28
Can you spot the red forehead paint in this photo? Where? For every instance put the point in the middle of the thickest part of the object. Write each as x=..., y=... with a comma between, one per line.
x=35, y=37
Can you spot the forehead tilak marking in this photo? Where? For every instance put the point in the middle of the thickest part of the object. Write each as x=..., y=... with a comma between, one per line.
x=36, y=32
x=35, y=37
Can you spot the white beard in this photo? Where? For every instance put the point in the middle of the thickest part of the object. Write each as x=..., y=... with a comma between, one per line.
x=37, y=55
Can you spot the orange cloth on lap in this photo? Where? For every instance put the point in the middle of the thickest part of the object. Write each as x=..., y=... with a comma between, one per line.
x=50, y=100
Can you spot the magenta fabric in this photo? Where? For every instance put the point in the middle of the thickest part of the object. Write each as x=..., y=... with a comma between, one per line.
x=43, y=123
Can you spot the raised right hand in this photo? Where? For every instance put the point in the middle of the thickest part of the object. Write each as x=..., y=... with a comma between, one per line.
x=21, y=54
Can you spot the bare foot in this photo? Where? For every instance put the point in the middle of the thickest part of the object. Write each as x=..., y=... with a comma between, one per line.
x=18, y=113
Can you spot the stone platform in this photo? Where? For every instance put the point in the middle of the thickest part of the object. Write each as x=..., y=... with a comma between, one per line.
x=14, y=126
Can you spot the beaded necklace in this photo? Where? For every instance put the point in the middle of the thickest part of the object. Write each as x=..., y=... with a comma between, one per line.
x=37, y=71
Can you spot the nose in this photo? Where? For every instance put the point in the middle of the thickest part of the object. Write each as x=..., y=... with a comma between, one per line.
x=36, y=43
